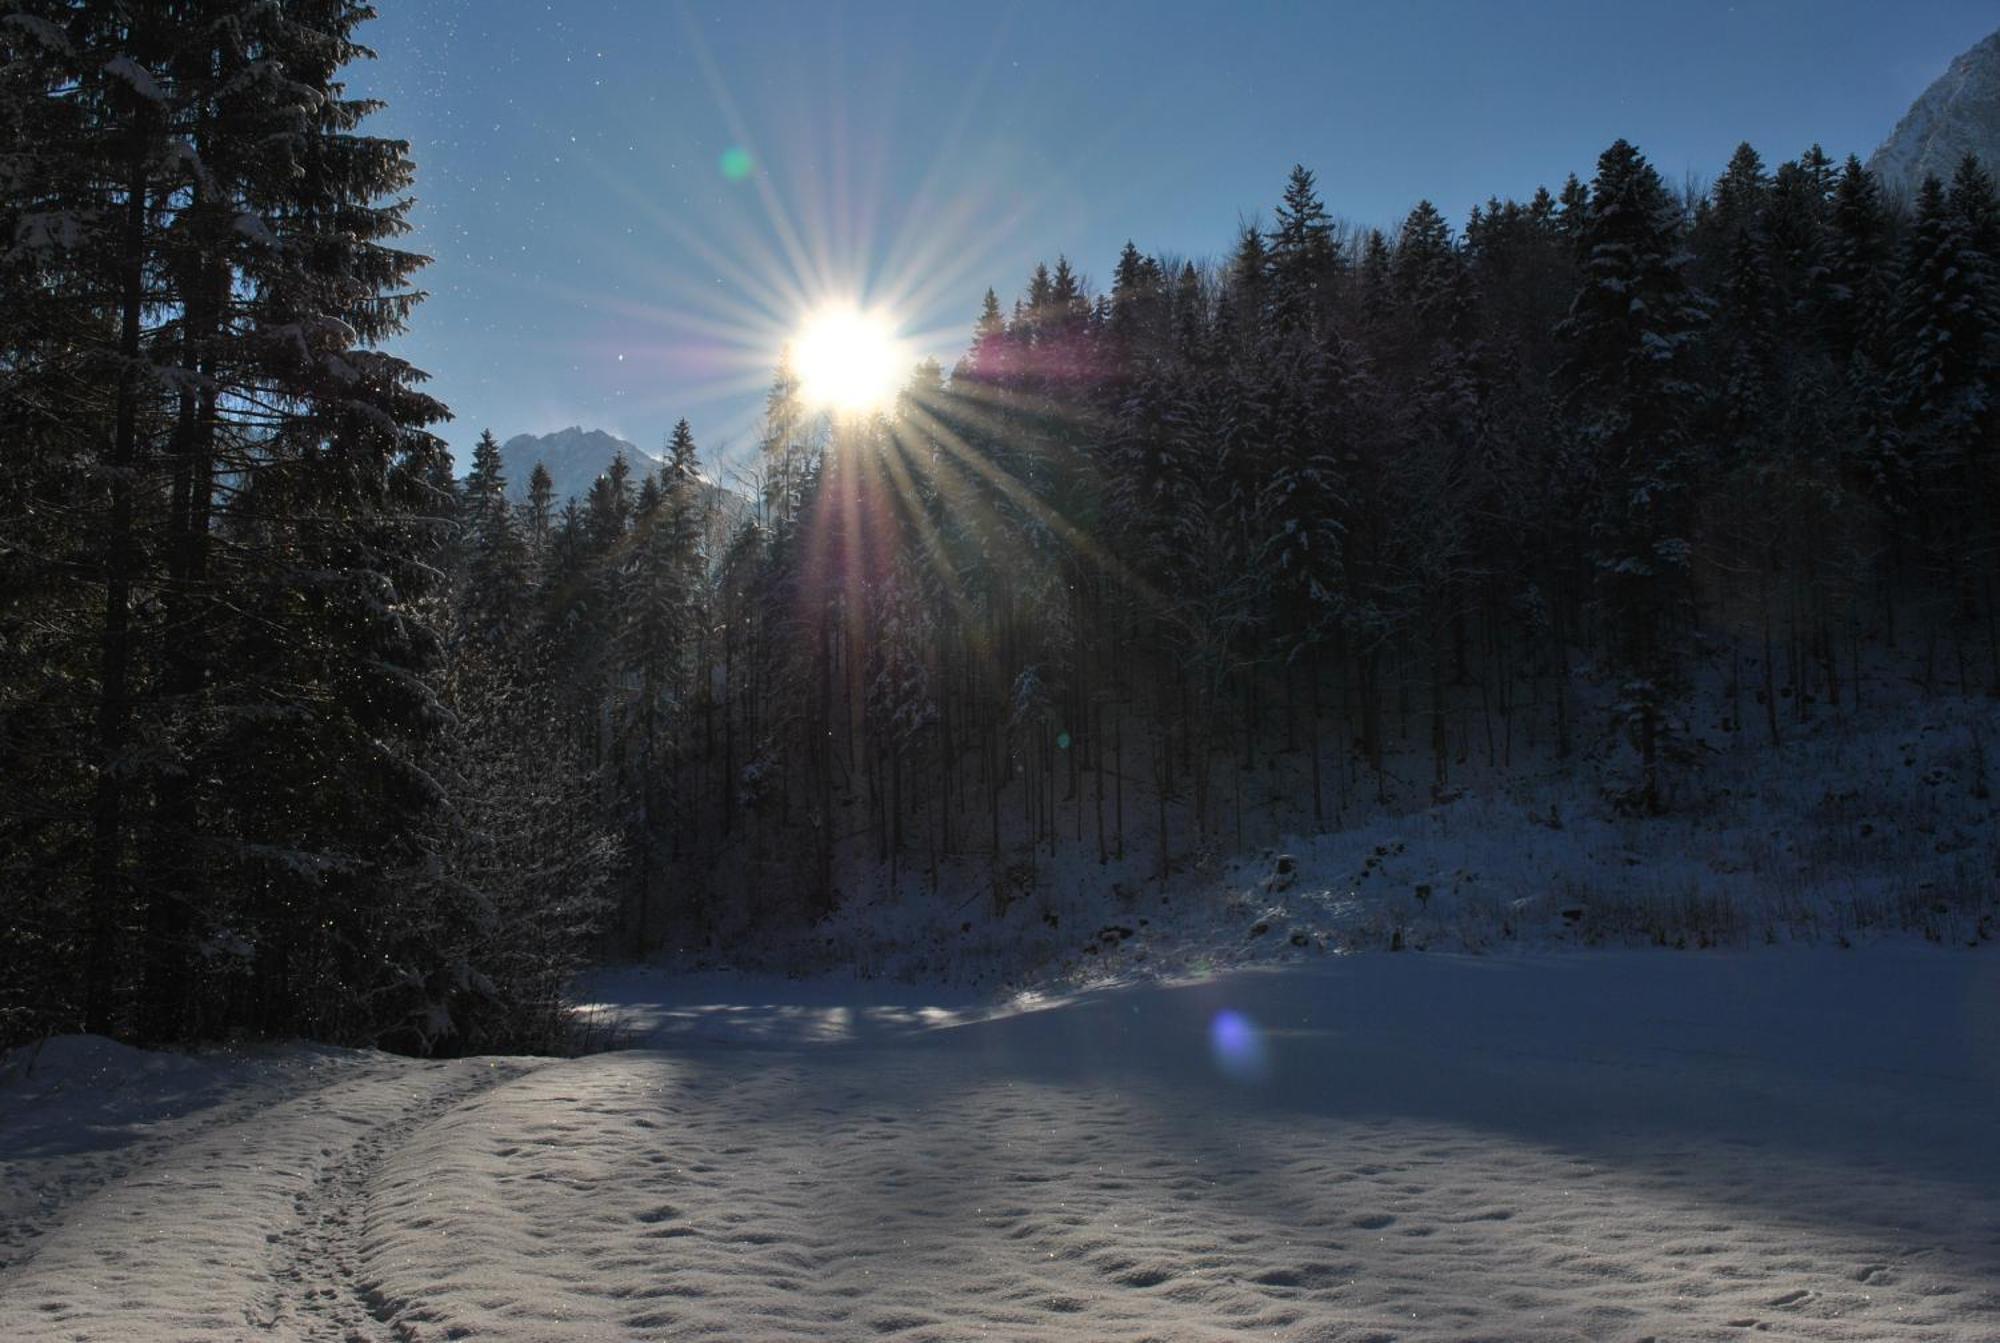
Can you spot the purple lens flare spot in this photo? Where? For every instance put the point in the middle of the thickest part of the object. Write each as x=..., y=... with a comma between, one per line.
x=1238, y=1047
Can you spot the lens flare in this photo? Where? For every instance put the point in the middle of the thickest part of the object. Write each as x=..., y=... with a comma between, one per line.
x=736, y=163
x=1238, y=1047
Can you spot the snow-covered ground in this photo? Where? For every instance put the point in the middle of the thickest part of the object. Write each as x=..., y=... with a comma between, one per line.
x=1790, y=1143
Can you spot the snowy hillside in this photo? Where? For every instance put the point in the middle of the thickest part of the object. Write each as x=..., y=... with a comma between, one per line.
x=1791, y=1144
x=1957, y=115
x=1878, y=823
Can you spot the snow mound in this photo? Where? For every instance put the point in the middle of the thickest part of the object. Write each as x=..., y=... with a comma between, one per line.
x=71, y=1062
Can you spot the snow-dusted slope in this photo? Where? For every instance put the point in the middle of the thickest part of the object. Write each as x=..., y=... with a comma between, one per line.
x=1875, y=824
x=1957, y=115
x=1792, y=1144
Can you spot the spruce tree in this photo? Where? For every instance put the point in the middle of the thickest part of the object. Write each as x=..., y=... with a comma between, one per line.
x=1945, y=320
x=270, y=517
x=1374, y=280
x=1740, y=196
x=539, y=508
x=1861, y=248
x=1305, y=256
x=658, y=607
x=1428, y=275
x=1947, y=365
x=1630, y=337
x=494, y=571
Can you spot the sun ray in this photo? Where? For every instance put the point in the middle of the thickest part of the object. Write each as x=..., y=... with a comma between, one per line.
x=1022, y=498
x=779, y=218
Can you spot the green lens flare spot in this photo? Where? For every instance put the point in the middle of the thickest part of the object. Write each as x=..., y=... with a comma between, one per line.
x=737, y=163
x=1062, y=740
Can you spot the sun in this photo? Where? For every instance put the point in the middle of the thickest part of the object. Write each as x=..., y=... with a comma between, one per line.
x=848, y=360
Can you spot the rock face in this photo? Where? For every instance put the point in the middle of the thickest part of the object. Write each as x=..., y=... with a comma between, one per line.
x=1957, y=115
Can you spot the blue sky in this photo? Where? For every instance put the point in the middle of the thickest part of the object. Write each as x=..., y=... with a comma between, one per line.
x=596, y=265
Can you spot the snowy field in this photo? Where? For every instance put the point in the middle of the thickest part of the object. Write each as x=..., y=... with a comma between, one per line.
x=1789, y=1143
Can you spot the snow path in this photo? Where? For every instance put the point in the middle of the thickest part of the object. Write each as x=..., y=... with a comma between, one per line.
x=1791, y=1145
x=248, y=1227
x=92, y=1111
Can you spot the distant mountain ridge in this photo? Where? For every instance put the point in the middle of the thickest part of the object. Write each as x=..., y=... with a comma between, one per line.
x=575, y=457
x=1958, y=114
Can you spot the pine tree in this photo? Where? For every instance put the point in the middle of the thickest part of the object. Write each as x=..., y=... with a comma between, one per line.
x=1861, y=251
x=1135, y=298
x=1747, y=320
x=1802, y=196
x=538, y=511
x=524, y=858
x=486, y=483
x=1947, y=366
x=1630, y=335
x=1572, y=209
x=270, y=514
x=1428, y=275
x=1945, y=312
x=1247, y=293
x=1374, y=280
x=786, y=450
x=608, y=506
x=1740, y=197
x=495, y=568
x=648, y=502
x=1305, y=256
x=987, y=361
x=658, y=613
